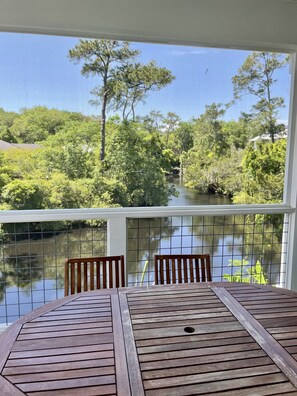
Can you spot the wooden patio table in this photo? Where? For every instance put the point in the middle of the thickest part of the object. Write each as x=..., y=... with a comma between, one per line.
x=195, y=339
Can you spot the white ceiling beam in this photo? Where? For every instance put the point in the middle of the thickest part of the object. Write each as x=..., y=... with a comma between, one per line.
x=265, y=24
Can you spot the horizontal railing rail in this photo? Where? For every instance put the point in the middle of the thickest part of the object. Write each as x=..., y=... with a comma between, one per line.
x=21, y=216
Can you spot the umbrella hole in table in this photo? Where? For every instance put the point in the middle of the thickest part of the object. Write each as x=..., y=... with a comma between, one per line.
x=189, y=329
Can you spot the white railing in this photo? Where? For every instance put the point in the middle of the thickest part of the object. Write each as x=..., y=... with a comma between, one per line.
x=117, y=220
x=21, y=216
x=139, y=233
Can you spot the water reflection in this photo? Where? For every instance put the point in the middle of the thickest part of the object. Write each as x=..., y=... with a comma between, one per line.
x=147, y=237
x=33, y=255
x=32, y=267
x=225, y=238
x=187, y=196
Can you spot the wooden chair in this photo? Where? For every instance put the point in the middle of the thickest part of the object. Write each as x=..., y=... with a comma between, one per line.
x=182, y=268
x=90, y=273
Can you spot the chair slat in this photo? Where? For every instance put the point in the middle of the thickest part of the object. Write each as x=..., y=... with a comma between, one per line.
x=85, y=275
x=186, y=278
x=208, y=270
x=156, y=273
x=110, y=273
x=203, y=270
x=167, y=272
x=104, y=274
x=78, y=278
x=92, y=277
x=197, y=270
x=117, y=280
x=123, y=273
x=191, y=270
x=98, y=273
x=182, y=268
x=173, y=272
x=161, y=272
x=66, y=279
x=180, y=274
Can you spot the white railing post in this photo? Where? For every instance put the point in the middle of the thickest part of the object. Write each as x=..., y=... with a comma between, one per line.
x=117, y=238
x=290, y=188
x=283, y=276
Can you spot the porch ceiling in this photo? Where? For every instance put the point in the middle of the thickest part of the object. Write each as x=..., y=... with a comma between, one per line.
x=235, y=23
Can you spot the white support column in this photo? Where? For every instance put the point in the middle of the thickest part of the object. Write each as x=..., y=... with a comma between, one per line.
x=290, y=189
x=117, y=238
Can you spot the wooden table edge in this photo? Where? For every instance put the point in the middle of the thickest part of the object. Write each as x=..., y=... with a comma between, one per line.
x=7, y=340
x=286, y=363
x=121, y=367
x=8, y=389
x=176, y=286
x=135, y=378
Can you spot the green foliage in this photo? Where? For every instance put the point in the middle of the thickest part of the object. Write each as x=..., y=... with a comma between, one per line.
x=246, y=273
x=153, y=121
x=135, y=159
x=107, y=191
x=36, y=124
x=65, y=172
x=182, y=138
x=23, y=194
x=206, y=174
x=124, y=82
x=236, y=133
x=266, y=159
x=208, y=132
x=72, y=150
x=213, y=154
x=18, y=163
x=65, y=193
x=132, y=83
x=214, y=161
x=221, y=159
x=255, y=77
x=263, y=169
x=176, y=135
x=6, y=121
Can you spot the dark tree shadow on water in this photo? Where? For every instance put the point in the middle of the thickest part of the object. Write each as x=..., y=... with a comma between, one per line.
x=20, y=271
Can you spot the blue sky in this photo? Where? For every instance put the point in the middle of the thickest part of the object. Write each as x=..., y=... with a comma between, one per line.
x=35, y=70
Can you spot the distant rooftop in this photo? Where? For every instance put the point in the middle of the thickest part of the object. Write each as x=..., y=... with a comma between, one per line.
x=4, y=146
x=266, y=136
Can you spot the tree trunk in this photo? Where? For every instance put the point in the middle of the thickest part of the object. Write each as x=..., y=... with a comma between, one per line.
x=103, y=121
x=271, y=122
x=103, y=118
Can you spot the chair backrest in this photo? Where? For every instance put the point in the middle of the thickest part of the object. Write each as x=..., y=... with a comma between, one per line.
x=90, y=273
x=182, y=268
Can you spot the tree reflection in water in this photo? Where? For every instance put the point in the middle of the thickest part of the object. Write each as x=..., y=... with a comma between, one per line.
x=32, y=266
x=225, y=238
x=144, y=239
x=20, y=271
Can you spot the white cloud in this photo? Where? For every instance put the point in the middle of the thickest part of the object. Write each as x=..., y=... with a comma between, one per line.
x=282, y=121
x=184, y=52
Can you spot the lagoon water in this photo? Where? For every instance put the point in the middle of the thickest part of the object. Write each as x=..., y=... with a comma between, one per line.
x=228, y=239
x=189, y=196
